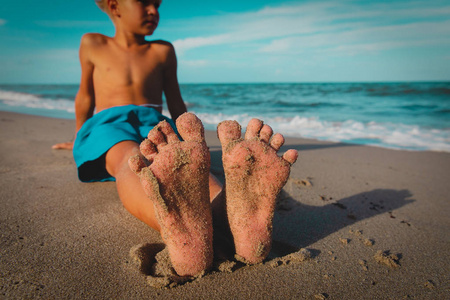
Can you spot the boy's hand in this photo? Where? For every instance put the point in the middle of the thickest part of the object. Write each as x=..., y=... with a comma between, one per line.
x=63, y=146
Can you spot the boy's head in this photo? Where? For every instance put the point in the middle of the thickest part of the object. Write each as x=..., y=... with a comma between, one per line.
x=136, y=15
x=103, y=4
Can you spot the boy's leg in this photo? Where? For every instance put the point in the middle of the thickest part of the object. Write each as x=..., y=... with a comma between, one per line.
x=171, y=193
x=129, y=186
x=254, y=175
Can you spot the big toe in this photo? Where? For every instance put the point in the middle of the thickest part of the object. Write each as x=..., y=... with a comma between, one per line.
x=190, y=128
x=228, y=131
x=136, y=163
x=291, y=156
x=253, y=129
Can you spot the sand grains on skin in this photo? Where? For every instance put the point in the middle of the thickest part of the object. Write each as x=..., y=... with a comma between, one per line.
x=174, y=174
x=254, y=176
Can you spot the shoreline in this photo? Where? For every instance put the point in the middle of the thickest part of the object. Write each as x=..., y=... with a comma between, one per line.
x=51, y=115
x=63, y=239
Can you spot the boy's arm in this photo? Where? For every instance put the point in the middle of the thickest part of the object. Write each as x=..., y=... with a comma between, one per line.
x=85, y=98
x=171, y=87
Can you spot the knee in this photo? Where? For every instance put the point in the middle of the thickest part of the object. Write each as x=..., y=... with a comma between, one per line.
x=116, y=159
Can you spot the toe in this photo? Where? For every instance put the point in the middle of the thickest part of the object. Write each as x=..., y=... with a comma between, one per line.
x=136, y=163
x=158, y=138
x=291, y=156
x=277, y=141
x=168, y=131
x=228, y=131
x=190, y=128
x=148, y=149
x=253, y=129
x=265, y=133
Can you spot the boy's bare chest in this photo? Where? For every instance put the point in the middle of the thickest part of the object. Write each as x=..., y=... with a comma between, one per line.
x=129, y=68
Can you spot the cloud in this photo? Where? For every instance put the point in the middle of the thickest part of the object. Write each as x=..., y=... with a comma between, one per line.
x=196, y=42
x=345, y=27
x=253, y=26
x=276, y=46
x=195, y=63
x=364, y=40
x=2, y=22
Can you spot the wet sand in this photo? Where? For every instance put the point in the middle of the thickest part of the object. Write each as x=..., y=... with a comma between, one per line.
x=372, y=223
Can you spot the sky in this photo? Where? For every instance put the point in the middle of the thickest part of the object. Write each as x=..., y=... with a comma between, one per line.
x=243, y=41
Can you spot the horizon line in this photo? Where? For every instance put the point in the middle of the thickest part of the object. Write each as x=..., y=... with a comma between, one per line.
x=258, y=82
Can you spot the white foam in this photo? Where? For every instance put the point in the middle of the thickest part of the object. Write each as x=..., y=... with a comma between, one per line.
x=388, y=135
x=33, y=101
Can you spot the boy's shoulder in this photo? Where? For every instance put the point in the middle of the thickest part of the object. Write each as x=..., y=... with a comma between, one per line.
x=165, y=50
x=94, y=39
x=163, y=45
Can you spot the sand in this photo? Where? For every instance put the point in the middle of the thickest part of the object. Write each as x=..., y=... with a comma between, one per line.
x=345, y=210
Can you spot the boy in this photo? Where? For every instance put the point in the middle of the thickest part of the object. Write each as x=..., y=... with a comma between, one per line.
x=123, y=78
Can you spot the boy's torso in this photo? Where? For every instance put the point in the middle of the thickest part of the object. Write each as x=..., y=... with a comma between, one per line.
x=127, y=76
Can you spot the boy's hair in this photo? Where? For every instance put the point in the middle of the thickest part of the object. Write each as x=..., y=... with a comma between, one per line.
x=103, y=5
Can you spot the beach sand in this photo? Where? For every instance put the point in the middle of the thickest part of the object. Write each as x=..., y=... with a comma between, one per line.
x=375, y=223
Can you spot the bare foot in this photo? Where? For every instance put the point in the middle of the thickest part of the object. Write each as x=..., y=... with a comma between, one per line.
x=63, y=146
x=254, y=175
x=176, y=180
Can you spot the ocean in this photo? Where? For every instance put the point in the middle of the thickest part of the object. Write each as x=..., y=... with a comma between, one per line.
x=408, y=116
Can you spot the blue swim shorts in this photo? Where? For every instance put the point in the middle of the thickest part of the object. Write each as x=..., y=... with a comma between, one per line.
x=107, y=128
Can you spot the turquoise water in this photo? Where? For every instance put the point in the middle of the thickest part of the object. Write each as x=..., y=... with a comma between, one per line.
x=413, y=116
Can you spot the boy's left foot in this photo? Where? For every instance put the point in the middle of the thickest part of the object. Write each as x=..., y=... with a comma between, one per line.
x=176, y=180
x=254, y=175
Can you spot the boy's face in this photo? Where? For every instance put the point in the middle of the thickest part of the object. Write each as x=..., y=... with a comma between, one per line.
x=139, y=16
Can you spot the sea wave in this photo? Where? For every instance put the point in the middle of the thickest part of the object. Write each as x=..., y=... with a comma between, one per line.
x=18, y=99
x=377, y=133
x=387, y=135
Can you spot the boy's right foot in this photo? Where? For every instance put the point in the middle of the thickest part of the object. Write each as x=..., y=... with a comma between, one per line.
x=176, y=180
x=254, y=175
